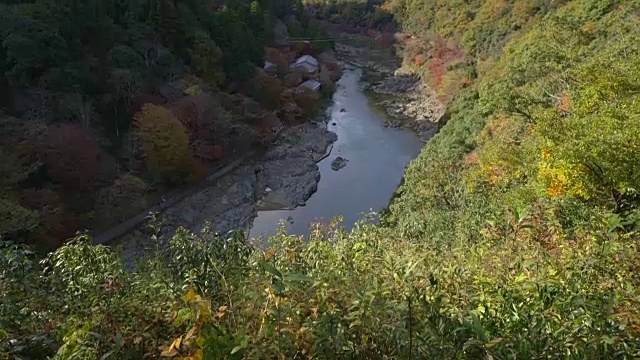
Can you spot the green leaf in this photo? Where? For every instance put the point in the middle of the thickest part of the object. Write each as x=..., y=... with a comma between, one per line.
x=493, y=343
x=271, y=269
x=471, y=343
x=411, y=268
x=119, y=340
x=236, y=349
x=106, y=356
x=278, y=287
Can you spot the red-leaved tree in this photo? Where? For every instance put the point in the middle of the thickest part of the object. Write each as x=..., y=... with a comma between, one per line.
x=307, y=100
x=71, y=156
x=438, y=69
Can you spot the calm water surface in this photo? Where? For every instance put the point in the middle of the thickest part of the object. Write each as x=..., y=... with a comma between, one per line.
x=377, y=158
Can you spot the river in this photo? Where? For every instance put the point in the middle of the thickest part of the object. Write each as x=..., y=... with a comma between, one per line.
x=377, y=157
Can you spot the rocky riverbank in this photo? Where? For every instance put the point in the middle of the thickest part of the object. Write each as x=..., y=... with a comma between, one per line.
x=409, y=103
x=375, y=60
x=406, y=99
x=284, y=177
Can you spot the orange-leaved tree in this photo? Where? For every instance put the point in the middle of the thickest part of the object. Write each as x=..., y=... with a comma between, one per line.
x=307, y=99
x=164, y=139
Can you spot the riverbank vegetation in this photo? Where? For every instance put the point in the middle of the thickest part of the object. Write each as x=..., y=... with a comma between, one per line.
x=513, y=236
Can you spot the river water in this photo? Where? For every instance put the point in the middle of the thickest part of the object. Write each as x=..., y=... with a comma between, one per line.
x=377, y=157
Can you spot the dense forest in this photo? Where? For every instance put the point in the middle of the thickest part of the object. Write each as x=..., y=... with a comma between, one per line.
x=515, y=234
x=105, y=105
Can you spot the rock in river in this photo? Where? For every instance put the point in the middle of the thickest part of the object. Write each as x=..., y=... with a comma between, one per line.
x=290, y=169
x=338, y=163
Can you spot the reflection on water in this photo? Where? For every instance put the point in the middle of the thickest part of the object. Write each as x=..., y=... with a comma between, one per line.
x=376, y=156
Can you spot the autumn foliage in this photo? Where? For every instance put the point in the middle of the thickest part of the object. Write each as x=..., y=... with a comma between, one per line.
x=419, y=60
x=281, y=60
x=266, y=89
x=198, y=114
x=292, y=79
x=565, y=102
x=71, y=157
x=164, y=139
x=437, y=68
x=307, y=100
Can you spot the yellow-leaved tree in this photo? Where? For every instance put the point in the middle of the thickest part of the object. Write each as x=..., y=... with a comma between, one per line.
x=164, y=140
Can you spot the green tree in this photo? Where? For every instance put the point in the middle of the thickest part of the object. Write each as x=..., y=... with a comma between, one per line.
x=31, y=47
x=206, y=58
x=163, y=18
x=15, y=219
x=122, y=199
x=241, y=50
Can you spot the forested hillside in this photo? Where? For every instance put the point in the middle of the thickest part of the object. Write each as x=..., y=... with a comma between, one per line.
x=105, y=105
x=543, y=117
x=513, y=236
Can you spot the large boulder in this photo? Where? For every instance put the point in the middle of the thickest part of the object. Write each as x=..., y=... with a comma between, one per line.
x=338, y=163
x=289, y=170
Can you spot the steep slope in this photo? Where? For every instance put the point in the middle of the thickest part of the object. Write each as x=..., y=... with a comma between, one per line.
x=548, y=126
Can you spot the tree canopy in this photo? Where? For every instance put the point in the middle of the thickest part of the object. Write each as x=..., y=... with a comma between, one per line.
x=76, y=73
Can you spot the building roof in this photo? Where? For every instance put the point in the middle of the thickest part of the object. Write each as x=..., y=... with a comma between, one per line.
x=307, y=59
x=311, y=84
x=310, y=68
x=269, y=66
x=307, y=63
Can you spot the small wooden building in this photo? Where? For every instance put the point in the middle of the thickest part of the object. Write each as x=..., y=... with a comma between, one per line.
x=306, y=63
x=310, y=84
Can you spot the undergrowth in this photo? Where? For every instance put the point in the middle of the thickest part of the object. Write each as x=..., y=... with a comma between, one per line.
x=368, y=294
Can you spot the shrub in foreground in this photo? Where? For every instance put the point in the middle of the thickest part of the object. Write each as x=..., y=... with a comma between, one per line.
x=364, y=295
